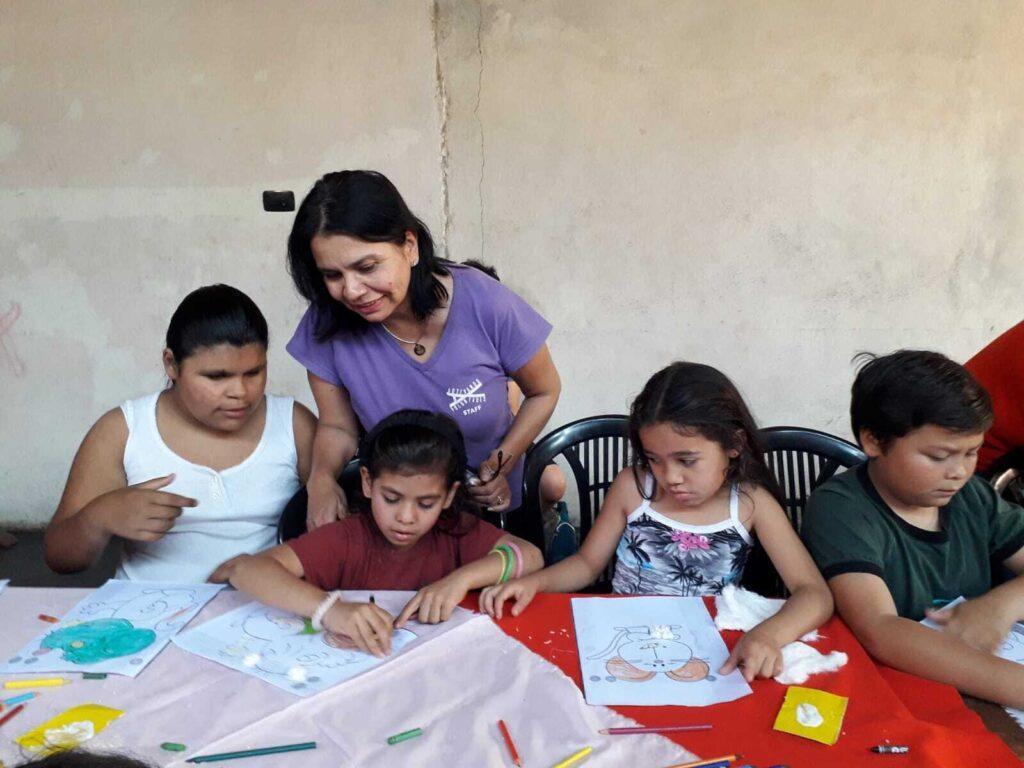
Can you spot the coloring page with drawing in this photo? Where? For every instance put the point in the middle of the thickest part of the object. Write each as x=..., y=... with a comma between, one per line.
x=652, y=651
x=1011, y=649
x=117, y=629
x=284, y=650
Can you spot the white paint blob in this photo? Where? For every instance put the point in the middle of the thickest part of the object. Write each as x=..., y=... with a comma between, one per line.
x=251, y=659
x=298, y=674
x=808, y=715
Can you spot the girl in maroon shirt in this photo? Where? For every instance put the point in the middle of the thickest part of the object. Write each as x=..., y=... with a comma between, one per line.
x=420, y=534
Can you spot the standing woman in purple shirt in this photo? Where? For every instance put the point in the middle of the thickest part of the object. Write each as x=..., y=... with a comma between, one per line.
x=390, y=326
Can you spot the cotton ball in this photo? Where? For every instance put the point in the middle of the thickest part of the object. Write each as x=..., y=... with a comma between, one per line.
x=297, y=674
x=251, y=659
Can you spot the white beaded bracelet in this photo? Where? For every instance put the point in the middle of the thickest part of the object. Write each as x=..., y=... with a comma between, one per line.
x=323, y=608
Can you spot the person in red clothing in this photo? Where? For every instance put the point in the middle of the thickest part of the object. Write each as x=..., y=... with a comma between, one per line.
x=420, y=535
x=999, y=368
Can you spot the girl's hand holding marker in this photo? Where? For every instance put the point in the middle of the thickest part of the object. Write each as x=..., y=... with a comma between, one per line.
x=368, y=625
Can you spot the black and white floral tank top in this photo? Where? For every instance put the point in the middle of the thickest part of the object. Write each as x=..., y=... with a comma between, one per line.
x=661, y=556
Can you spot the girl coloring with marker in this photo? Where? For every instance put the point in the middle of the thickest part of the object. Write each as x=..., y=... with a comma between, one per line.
x=189, y=476
x=681, y=519
x=420, y=534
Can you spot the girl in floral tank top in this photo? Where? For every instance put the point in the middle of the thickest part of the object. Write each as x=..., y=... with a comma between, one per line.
x=658, y=555
x=681, y=520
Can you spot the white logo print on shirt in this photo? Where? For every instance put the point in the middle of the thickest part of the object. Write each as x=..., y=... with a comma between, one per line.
x=462, y=395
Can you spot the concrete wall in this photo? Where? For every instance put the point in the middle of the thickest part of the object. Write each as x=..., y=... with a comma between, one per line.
x=768, y=187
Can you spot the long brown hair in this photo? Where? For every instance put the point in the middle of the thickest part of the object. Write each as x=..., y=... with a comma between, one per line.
x=692, y=397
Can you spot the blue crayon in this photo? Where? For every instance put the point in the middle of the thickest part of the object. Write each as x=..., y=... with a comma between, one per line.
x=18, y=699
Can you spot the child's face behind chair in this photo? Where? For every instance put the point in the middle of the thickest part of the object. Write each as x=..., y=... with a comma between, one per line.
x=406, y=507
x=927, y=466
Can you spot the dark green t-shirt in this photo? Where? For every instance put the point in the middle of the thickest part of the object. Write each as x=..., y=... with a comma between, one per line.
x=849, y=528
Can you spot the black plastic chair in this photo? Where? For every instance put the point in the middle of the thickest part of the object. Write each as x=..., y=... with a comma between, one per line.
x=292, y=523
x=1008, y=478
x=801, y=459
x=596, y=449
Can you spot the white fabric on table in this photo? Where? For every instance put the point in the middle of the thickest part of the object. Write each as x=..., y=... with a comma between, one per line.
x=456, y=689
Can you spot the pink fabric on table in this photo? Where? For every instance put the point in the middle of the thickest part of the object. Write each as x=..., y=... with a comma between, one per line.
x=456, y=689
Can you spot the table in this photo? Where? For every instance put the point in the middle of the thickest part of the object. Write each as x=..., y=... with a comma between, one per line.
x=884, y=705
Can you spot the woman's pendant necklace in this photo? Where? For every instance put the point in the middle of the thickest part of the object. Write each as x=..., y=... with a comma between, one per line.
x=417, y=349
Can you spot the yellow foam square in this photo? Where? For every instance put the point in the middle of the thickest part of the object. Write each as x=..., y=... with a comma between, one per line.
x=812, y=714
x=69, y=729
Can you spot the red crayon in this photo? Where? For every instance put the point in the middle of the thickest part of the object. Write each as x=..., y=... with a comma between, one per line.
x=509, y=743
x=11, y=714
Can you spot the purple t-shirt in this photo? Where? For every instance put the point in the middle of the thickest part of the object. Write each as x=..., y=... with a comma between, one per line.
x=490, y=333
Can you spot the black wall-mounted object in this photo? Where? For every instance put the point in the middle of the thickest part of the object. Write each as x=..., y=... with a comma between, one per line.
x=278, y=201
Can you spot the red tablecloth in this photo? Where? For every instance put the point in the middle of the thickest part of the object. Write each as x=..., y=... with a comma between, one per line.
x=885, y=707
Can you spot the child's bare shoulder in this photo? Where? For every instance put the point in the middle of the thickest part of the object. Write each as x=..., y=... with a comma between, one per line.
x=756, y=501
x=625, y=489
x=109, y=432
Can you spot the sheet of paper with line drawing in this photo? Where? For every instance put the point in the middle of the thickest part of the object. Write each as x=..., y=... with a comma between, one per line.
x=1012, y=649
x=283, y=649
x=652, y=651
x=118, y=629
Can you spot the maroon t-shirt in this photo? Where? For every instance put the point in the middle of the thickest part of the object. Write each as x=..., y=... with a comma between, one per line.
x=353, y=554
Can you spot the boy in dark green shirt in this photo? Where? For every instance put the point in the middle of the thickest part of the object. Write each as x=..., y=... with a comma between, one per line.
x=912, y=529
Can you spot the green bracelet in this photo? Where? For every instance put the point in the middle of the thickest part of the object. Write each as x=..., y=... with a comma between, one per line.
x=504, y=562
x=510, y=562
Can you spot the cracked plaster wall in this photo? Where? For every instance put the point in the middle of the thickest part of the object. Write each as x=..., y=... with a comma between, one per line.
x=765, y=187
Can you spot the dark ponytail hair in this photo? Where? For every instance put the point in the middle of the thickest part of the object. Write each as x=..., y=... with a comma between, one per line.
x=368, y=207
x=692, y=397
x=413, y=442
x=212, y=315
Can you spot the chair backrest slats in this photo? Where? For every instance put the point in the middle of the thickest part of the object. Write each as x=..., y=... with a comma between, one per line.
x=801, y=460
x=596, y=450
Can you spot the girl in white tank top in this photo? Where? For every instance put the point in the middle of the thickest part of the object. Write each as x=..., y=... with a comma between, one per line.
x=189, y=477
x=237, y=508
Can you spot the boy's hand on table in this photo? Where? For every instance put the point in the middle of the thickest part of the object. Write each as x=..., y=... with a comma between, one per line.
x=435, y=602
x=756, y=654
x=982, y=623
x=366, y=624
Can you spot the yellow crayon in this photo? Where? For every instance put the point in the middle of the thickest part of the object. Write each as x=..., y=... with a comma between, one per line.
x=46, y=682
x=575, y=757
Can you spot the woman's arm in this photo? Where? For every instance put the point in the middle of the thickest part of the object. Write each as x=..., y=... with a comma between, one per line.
x=540, y=384
x=435, y=603
x=304, y=429
x=335, y=443
x=97, y=502
x=576, y=571
x=809, y=604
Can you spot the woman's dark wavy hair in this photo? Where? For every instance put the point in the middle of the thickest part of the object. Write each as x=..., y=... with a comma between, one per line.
x=413, y=442
x=367, y=206
x=212, y=315
x=692, y=397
